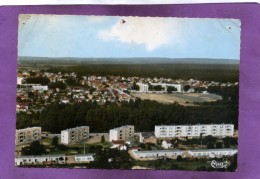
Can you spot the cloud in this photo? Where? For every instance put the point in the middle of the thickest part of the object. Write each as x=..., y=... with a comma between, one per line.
x=148, y=31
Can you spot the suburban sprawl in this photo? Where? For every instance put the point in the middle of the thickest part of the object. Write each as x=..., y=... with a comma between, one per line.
x=77, y=120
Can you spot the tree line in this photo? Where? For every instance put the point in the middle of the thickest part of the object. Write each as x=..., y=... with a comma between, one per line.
x=143, y=114
x=206, y=72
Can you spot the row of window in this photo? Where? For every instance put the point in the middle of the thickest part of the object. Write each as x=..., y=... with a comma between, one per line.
x=195, y=127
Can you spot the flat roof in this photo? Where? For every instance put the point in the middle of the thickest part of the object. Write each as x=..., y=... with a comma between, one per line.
x=125, y=126
x=85, y=155
x=28, y=128
x=156, y=151
x=208, y=150
x=40, y=156
x=173, y=125
x=79, y=127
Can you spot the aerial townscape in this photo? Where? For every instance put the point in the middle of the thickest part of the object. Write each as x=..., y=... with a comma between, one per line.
x=114, y=92
x=50, y=133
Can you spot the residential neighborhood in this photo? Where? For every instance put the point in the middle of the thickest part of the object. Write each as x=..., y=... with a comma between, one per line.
x=69, y=88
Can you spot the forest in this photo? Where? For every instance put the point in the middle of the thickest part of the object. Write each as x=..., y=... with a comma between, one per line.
x=205, y=72
x=143, y=114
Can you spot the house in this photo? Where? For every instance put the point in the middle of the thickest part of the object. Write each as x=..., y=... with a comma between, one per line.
x=119, y=144
x=147, y=137
x=121, y=133
x=40, y=88
x=74, y=135
x=41, y=159
x=82, y=158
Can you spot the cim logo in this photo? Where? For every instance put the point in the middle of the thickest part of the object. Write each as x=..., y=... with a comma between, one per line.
x=216, y=164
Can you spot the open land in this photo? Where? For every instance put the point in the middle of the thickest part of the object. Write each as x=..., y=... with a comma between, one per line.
x=183, y=99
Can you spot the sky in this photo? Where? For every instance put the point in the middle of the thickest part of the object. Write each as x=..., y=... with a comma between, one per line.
x=128, y=37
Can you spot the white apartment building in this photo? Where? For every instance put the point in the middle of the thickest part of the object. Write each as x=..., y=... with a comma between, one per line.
x=74, y=135
x=143, y=87
x=165, y=85
x=84, y=158
x=121, y=133
x=27, y=135
x=212, y=153
x=217, y=130
x=156, y=153
x=41, y=159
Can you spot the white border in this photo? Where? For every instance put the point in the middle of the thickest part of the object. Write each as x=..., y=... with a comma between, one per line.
x=104, y=2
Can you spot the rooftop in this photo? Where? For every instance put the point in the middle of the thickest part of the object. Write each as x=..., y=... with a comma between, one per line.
x=84, y=155
x=157, y=151
x=192, y=125
x=125, y=126
x=41, y=156
x=208, y=150
x=79, y=127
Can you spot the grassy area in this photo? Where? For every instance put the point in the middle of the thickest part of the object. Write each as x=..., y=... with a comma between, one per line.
x=172, y=164
x=46, y=141
x=71, y=149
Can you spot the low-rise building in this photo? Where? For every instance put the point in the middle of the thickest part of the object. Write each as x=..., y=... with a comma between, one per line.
x=74, y=135
x=121, y=133
x=27, y=135
x=217, y=130
x=212, y=153
x=157, y=153
x=41, y=159
x=40, y=88
x=84, y=158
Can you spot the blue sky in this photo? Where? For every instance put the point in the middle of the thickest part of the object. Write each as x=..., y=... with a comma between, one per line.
x=108, y=36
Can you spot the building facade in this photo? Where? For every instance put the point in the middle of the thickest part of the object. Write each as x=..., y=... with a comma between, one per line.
x=165, y=85
x=212, y=153
x=27, y=135
x=217, y=130
x=74, y=135
x=157, y=153
x=121, y=133
x=143, y=87
x=42, y=159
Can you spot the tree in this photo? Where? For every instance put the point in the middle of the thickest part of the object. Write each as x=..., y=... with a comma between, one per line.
x=35, y=148
x=219, y=145
x=179, y=158
x=58, y=84
x=38, y=80
x=186, y=88
x=170, y=89
x=135, y=87
x=55, y=141
x=210, y=145
x=102, y=139
x=61, y=159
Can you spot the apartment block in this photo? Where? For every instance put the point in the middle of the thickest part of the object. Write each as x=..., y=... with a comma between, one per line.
x=27, y=135
x=121, y=133
x=217, y=130
x=74, y=135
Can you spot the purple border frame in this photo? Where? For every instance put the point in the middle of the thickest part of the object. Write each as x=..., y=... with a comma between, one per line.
x=249, y=155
